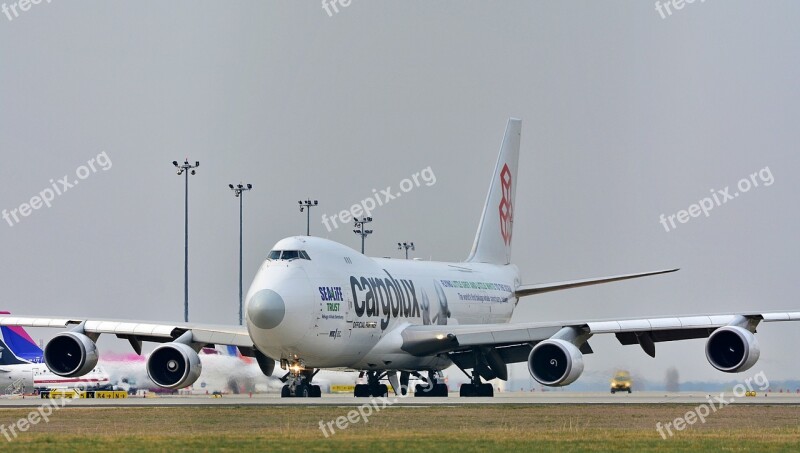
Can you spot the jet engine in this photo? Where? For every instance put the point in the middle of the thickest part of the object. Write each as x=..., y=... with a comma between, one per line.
x=70, y=354
x=174, y=366
x=555, y=363
x=732, y=349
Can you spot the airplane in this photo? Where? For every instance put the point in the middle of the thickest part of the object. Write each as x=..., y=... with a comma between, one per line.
x=317, y=304
x=22, y=369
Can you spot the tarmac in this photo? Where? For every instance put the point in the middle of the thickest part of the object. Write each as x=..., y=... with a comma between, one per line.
x=511, y=398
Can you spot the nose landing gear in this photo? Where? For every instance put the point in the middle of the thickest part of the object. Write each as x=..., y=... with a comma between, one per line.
x=298, y=383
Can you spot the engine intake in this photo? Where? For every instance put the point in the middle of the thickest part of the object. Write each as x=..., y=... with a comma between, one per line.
x=70, y=354
x=555, y=363
x=174, y=366
x=732, y=349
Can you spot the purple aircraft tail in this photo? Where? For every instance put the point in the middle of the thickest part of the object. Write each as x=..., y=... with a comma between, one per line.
x=17, y=343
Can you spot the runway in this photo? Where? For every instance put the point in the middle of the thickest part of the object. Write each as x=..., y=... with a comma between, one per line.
x=515, y=398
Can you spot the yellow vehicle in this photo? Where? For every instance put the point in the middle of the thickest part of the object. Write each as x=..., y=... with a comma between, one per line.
x=621, y=382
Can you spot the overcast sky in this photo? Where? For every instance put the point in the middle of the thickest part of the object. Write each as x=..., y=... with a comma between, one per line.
x=626, y=116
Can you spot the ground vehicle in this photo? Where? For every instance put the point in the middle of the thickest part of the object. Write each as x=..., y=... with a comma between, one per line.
x=622, y=382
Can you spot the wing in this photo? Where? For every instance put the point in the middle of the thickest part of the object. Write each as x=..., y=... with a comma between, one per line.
x=137, y=332
x=172, y=365
x=487, y=348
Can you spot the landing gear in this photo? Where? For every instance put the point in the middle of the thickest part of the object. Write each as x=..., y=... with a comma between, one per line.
x=299, y=384
x=373, y=387
x=434, y=386
x=404, y=378
x=475, y=388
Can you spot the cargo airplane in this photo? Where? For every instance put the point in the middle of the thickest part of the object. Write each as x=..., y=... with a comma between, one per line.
x=317, y=304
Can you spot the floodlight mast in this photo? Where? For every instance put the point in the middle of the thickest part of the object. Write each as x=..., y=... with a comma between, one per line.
x=359, y=229
x=239, y=191
x=306, y=205
x=188, y=169
x=406, y=246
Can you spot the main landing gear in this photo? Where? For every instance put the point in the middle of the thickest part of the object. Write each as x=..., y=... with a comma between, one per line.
x=475, y=388
x=373, y=387
x=298, y=384
x=434, y=386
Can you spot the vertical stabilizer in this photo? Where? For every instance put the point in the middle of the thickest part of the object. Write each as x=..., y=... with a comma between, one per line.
x=493, y=240
x=16, y=342
x=7, y=356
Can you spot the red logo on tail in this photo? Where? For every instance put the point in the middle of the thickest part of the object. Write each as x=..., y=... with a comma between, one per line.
x=506, y=208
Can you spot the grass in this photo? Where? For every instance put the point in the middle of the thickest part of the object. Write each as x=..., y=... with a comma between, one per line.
x=562, y=428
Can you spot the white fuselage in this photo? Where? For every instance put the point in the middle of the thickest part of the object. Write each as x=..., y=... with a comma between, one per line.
x=341, y=309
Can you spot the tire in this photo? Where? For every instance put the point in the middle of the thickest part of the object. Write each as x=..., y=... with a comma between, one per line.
x=629, y=391
x=285, y=392
x=302, y=391
x=467, y=391
x=361, y=391
x=383, y=390
x=485, y=390
x=316, y=391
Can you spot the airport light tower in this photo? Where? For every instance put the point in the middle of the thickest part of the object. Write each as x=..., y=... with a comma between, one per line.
x=239, y=191
x=307, y=205
x=359, y=230
x=188, y=169
x=405, y=245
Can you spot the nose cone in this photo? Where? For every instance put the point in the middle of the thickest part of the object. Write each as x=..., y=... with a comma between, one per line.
x=266, y=309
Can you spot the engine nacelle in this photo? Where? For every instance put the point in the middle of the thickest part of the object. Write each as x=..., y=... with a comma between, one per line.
x=174, y=366
x=555, y=363
x=70, y=354
x=732, y=349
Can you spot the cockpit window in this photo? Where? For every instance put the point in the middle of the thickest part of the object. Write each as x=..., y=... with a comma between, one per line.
x=288, y=255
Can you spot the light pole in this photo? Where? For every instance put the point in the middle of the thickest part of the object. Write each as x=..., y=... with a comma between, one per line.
x=185, y=167
x=405, y=245
x=359, y=230
x=307, y=205
x=239, y=191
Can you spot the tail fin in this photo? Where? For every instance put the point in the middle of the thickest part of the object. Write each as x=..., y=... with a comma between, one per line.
x=493, y=240
x=7, y=356
x=18, y=343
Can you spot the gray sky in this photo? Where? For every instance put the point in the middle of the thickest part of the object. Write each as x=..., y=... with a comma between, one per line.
x=626, y=116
